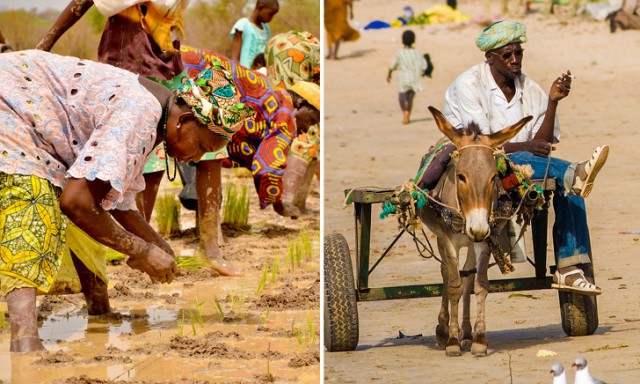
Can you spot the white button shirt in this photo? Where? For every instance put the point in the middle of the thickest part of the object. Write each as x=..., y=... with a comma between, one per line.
x=475, y=96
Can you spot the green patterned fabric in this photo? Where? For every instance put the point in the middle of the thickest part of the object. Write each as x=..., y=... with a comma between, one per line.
x=214, y=99
x=501, y=33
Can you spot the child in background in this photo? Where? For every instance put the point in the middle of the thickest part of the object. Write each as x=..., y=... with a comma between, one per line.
x=259, y=64
x=250, y=34
x=411, y=64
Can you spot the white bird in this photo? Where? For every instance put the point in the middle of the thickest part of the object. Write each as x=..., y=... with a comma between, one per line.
x=559, y=375
x=582, y=373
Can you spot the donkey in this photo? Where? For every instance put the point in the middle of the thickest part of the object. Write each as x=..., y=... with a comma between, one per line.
x=469, y=184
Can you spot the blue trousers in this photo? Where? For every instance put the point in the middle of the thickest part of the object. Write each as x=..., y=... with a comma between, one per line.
x=570, y=231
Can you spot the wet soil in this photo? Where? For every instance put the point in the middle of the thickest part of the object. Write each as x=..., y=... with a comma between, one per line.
x=201, y=328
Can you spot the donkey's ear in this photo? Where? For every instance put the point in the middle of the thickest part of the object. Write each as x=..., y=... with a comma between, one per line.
x=499, y=138
x=445, y=127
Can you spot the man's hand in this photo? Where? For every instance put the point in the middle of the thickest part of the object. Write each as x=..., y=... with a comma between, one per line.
x=561, y=87
x=159, y=265
x=539, y=147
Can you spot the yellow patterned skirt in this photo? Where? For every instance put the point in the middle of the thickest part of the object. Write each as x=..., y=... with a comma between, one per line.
x=35, y=240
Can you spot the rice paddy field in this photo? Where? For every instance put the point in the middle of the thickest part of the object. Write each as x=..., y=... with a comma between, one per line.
x=202, y=328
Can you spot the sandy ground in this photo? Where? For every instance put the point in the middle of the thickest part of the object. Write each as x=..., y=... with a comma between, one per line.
x=176, y=333
x=365, y=145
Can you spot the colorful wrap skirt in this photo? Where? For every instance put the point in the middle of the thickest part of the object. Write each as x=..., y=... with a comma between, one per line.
x=32, y=231
x=290, y=57
x=36, y=239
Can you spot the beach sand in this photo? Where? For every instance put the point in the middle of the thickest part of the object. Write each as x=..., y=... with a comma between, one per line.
x=365, y=144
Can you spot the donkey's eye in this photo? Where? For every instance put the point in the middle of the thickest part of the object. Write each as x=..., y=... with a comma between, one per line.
x=461, y=178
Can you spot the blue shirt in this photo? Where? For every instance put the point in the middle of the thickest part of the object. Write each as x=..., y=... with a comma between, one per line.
x=253, y=39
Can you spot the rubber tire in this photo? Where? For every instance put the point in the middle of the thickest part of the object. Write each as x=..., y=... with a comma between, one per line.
x=579, y=312
x=340, y=303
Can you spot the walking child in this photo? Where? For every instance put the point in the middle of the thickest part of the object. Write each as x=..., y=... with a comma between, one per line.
x=410, y=65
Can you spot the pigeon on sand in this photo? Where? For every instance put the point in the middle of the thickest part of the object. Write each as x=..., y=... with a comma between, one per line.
x=559, y=375
x=582, y=373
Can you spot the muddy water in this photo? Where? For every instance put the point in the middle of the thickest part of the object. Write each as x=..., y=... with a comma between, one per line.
x=175, y=332
x=137, y=344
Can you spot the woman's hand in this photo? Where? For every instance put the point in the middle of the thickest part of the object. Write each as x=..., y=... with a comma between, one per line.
x=158, y=264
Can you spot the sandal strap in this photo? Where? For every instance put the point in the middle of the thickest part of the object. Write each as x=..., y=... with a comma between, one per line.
x=583, y=283
x=562, y=276
x=592, y=161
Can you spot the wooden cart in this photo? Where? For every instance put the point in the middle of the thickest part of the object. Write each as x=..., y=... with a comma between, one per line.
x=342, y=291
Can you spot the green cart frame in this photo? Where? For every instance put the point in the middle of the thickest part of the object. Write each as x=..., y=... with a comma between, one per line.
x=342, y=292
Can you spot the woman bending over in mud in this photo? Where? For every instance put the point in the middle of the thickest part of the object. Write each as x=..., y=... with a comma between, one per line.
x=74, y=138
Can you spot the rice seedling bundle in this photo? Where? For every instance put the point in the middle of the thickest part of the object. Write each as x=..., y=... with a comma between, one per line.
x=236, y=206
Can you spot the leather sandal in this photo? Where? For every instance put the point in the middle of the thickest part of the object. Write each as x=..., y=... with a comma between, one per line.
x=591, y=168
x=580, y=285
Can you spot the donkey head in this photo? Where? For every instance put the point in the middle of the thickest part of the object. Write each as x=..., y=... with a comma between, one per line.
x=475, y=171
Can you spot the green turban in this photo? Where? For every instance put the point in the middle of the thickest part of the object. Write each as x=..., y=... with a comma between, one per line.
x=501, y=33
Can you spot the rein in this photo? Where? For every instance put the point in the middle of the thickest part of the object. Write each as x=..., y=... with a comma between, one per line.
x=454, y=155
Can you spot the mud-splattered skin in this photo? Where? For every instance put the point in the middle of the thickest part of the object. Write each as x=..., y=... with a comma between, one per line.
x=72, y=13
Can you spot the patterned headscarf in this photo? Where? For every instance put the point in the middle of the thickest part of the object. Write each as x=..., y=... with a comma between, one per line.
x=501, y=33
x=214, y=87
x=292, y=56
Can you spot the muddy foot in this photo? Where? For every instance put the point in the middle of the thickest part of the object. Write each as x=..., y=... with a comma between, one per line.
x=223, y=267
x=286, y=210
x=27, y=344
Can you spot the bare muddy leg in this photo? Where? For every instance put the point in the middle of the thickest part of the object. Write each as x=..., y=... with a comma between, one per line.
x=208, y=180
x=296, y=182
x=94, y=289
x=146, y=199
x=24, y=324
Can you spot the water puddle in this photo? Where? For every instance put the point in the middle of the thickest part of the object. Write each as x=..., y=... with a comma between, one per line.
x=191, y=340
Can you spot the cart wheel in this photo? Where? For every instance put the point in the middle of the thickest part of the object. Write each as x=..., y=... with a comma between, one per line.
x=579, y=312
x=340, y=305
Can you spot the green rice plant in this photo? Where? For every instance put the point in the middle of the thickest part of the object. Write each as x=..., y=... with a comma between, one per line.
x=299, y=336
x=236, y=299
x=199, y=313
x=275, y=268
x=241, y=173
x=263, y=280
x=298, y=254
x=305, y=335
x=311, y=328
x=291, y=256
x=299, y=248
x=307, y=244
x=264, y=317
x=181, y=324
x=168, y=215
x=294, y=254
x=218, y=308
x=193, y=321
x=236, y=207
x=192, y=262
